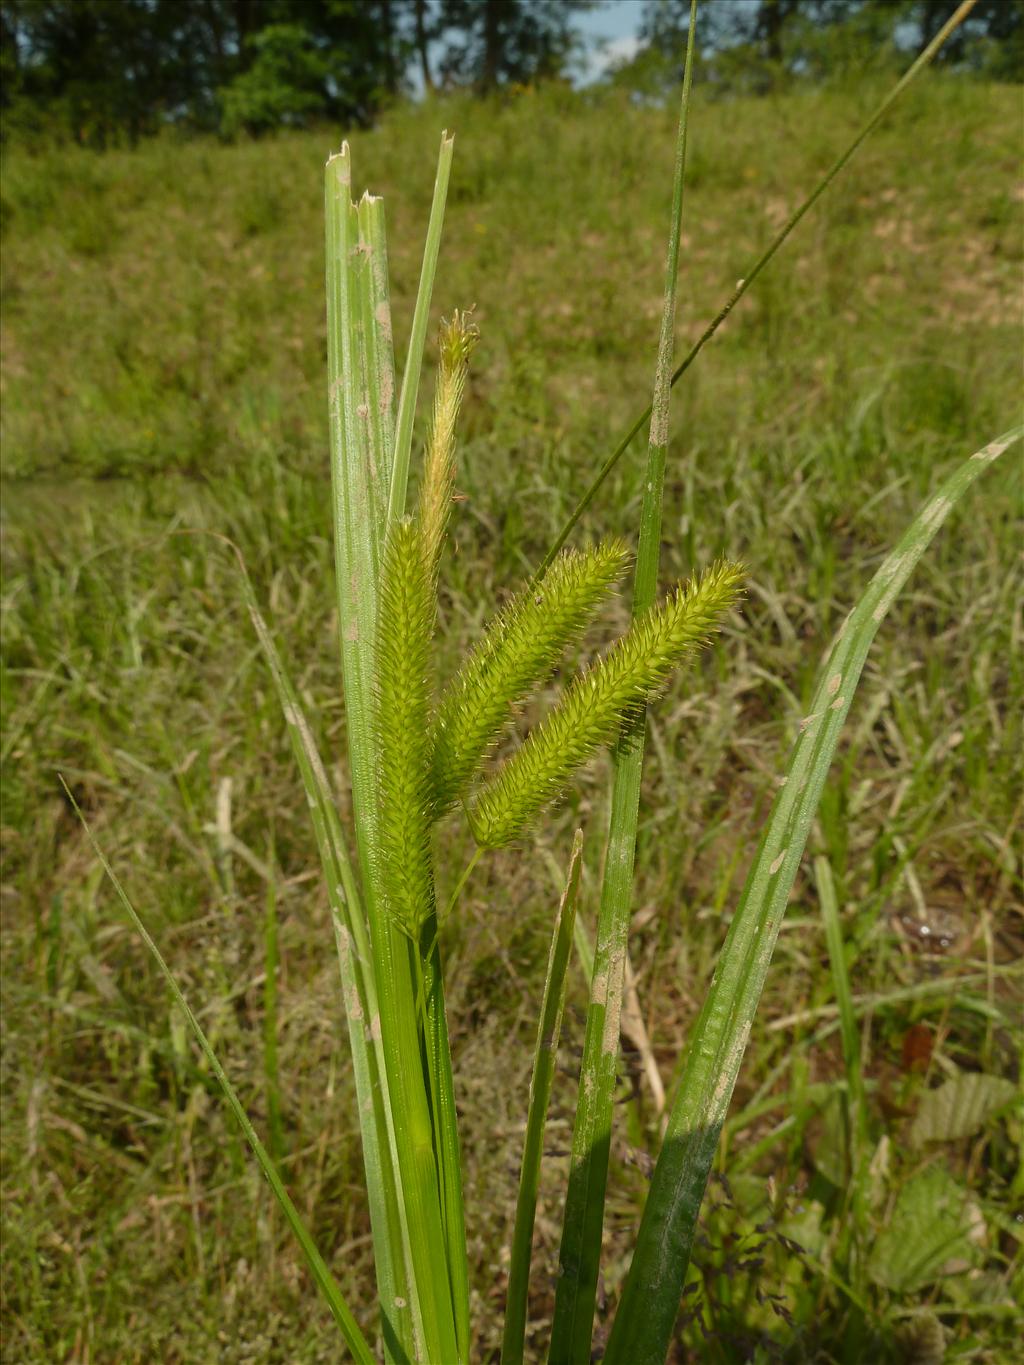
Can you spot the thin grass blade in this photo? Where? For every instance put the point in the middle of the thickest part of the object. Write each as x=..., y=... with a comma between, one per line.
x=643, y=1325
x=417, y=339
x=361, y=475
x=325, y=1281
x=580, y=1251
x=912, y=72
x=548, y=1031
x=856, y=1097
x=383, y=1178
x=270, y=1067
x=373, y=317
x=855, y=1101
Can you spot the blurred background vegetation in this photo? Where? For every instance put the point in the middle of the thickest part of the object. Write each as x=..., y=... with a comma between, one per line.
x=103, y=71
x=164, y=357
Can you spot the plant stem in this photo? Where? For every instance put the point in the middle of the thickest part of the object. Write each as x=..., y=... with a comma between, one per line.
x=319, y=1269
x=358, y=337
x=744, y=284
x=580, y=1250
x=548, y=1030
x=649, y=1302
x=270, y=1069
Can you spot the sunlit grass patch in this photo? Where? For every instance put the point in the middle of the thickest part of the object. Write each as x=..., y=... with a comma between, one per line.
x=149, y=707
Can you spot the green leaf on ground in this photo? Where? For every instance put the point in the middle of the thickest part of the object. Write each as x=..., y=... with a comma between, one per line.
x=928, y=1235
x=960, y=1108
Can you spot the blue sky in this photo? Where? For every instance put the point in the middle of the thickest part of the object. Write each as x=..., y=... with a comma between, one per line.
x=610, y=32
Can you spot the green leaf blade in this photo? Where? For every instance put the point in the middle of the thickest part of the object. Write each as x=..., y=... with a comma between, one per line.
x=356, y=334
x=647, y=1310
x=548, y=1030
x=319, y=1269
x=929, y=1228
x=359, y=482
x=961, y=1107
x=580, y=1251
x=414, y=360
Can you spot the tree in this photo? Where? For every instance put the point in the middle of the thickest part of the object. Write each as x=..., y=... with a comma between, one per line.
x=489, y=43
x=107, y=68
x=423, y=33
x=285, y=85
x=102, y=65
x=746, y=43
x=755, y=43
x=991, y=38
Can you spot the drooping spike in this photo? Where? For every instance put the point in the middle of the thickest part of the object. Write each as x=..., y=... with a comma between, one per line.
x=521, y=647
x=598, y=701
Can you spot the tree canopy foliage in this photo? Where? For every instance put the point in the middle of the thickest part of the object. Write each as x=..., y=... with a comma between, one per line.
x=757, y=44
x=102, y=70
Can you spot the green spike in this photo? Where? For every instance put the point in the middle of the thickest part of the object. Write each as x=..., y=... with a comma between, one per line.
x=521, y=647
x=598, y=701
x=405, y=624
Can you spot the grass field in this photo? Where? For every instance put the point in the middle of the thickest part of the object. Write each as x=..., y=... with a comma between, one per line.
x=164, y=357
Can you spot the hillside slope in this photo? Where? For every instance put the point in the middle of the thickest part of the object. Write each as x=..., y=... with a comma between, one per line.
x=163, y=348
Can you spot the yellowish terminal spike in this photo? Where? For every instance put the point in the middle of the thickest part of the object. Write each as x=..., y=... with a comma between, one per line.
x=456, y=339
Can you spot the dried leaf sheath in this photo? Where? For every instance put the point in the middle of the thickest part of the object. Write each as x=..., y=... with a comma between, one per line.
x=405, y=624
x=597, y=701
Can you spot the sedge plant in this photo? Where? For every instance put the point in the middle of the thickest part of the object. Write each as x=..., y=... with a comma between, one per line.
x=422, y=751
